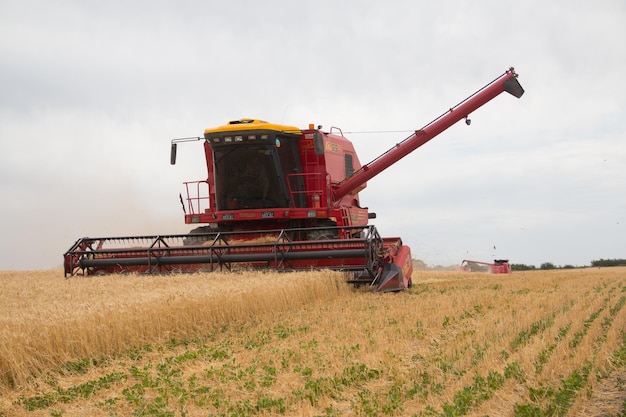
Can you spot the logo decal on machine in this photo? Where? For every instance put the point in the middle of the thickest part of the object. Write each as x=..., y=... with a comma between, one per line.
x=333, y=147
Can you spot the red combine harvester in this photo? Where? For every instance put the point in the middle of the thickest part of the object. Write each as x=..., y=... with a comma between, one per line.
x=279, y=197
x=499, y=266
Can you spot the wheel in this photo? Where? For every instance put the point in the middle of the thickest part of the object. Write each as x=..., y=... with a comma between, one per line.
x=199, y=235
x=323, y=234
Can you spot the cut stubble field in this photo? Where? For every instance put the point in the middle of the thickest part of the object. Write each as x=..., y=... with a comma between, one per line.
x=533, y=343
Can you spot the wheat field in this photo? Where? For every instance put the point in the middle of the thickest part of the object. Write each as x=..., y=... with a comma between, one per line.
x=259, y=344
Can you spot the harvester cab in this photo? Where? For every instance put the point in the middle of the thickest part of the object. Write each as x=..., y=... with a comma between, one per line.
x=279, y=197
x=266, y=176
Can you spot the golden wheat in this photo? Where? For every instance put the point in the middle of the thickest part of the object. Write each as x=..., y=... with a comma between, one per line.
x=48, y=320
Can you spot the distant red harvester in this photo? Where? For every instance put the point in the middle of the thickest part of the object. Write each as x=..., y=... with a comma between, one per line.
x=499, y=266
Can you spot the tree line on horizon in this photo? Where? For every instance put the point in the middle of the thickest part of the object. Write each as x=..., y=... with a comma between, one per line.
x=549, y=265
x=420, y=265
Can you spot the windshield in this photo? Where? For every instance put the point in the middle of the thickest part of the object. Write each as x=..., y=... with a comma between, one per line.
x=247, y=177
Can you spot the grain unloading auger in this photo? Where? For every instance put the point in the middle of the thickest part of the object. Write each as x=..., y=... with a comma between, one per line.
x=279, y=197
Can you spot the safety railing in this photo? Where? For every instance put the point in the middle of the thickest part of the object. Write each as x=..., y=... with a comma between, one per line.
x=198, y=197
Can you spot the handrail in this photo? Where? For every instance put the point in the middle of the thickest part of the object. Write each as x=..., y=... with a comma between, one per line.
x=198, y=199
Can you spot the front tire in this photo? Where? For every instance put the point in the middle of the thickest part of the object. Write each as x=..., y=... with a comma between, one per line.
x=200, y=235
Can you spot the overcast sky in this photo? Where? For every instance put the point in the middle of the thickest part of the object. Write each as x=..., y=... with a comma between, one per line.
x=92, y=92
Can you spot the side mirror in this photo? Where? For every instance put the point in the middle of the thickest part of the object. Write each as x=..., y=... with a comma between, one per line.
x=318, y=143
x=173, y=154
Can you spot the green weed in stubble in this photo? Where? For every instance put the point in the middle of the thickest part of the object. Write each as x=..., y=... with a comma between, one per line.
x=478, y=353
x=535, y=328
x=162, y=391
x=367, y=403
x=262, y=338
x=70, y=394
x=472, y=395
x=394, y=399
x=548, y=401
x=545, y=353
x=618, y=306
x=515, y=371
x=83, y=365
x=353, y=375
x=282, y=331
x=578, y=336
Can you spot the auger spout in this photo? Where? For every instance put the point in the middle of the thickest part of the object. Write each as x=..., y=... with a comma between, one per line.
x=506, y=82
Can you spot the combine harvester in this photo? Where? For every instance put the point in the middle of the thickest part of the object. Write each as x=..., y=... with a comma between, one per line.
x=499, y=266
x=282, y=198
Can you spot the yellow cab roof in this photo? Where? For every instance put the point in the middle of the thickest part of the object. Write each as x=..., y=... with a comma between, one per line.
x=252, y=124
